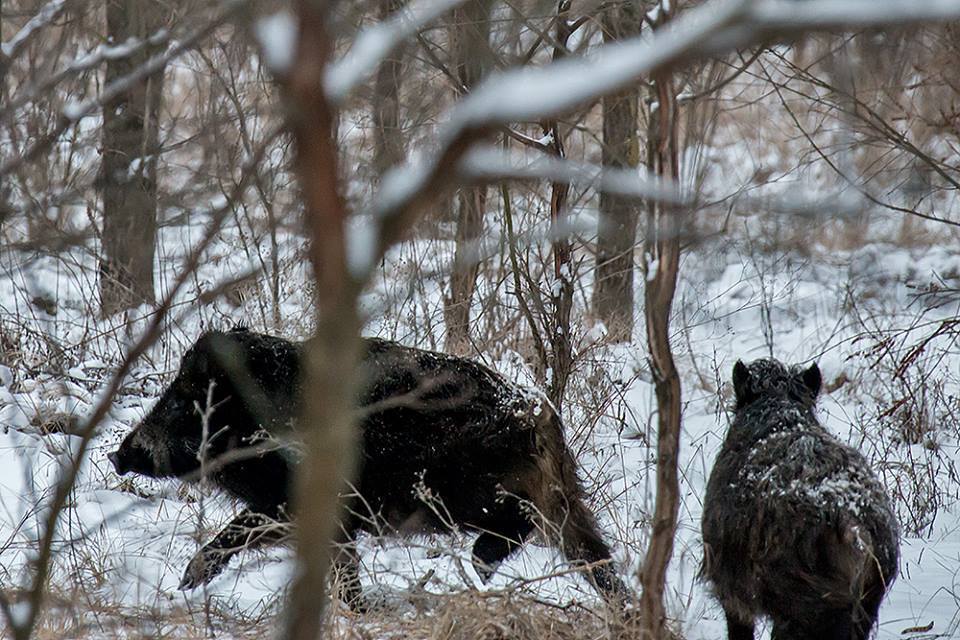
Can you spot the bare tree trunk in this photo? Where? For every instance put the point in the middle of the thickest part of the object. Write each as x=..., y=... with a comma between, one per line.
x=128, y=174
x=330, y=361
x=617, y=230
x=4, y=207
x=661, y=267
x=561, y=295
x=469, y=39
x=387, y=132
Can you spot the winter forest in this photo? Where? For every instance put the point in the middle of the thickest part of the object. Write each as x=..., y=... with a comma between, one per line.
x=455, y=319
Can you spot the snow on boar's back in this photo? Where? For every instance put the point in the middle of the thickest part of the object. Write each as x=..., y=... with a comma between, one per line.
x=795, y=525
x=445, y=442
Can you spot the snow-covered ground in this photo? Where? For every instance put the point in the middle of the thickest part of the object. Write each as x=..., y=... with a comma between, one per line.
x=123, y=543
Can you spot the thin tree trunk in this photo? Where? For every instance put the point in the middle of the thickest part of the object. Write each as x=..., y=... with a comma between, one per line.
x=328, y=419
x=616, y=234
x=561, y=295
x=4, y=207
x=469, y=42
x=387, y=131
x=128, y=174
x=661, y=267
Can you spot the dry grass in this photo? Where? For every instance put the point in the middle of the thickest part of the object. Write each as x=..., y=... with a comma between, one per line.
x=469, y=615
x=473, y=615
x=83, y=616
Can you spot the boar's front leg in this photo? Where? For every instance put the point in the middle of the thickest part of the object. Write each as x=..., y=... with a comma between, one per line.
x=249, y=529
x=501, y=536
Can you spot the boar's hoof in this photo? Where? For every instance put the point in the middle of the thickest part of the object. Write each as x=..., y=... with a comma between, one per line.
x=485, y=569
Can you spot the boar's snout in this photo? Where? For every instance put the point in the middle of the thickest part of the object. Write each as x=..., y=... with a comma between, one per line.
x=114, y=458
x=132, y=456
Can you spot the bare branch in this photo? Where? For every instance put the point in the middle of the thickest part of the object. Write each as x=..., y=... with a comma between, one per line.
x=532, y=94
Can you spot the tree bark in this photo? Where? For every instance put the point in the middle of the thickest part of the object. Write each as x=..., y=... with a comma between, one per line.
x=561, y=293
x=617, y=230
x=4, y=206
x=128, y=173
x=469, y=43
x=661, y=267
x=328, y=419
x=387, y=130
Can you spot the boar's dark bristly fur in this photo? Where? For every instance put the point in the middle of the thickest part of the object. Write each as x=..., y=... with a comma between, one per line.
x=795, y=525
x=445, y=442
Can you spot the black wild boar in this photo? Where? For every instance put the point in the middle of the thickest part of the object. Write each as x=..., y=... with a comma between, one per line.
x=492, y=454
x=795, y=525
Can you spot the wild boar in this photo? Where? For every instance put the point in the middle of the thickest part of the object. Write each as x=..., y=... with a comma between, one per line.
x=795, y=524
x=445, y=441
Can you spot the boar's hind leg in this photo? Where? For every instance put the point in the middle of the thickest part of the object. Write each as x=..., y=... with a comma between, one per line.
x=866, y=612
x=575, y=531
x=249, y=529
x=582, y=544
x=570, y=525
x=827, y=624
x=500, y=538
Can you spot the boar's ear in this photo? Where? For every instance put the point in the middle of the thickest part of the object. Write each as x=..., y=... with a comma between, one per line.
x=196, y=363
x=742, y=383
x=812, y=380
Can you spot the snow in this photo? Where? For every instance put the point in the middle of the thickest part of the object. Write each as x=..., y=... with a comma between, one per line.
x=399, y=184
x=489, y=163
x=653, y=266
x=114, y=52
x=74, y=110
x=277, y=35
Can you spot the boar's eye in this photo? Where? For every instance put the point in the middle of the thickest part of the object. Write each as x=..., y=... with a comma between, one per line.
x=192, y=387
x=184, y=386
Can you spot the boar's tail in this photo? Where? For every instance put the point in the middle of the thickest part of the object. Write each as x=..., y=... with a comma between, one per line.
x=866, y=571
x=561, y=500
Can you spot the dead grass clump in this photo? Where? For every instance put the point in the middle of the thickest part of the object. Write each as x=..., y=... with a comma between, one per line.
x=81, y=614
x=481, y=616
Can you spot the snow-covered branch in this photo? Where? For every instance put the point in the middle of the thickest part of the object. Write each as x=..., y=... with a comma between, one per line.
x=787, y=16
x=75, y=111
x=47, y=14
x=377, y=42
x=490, y=164
x=86, y=62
